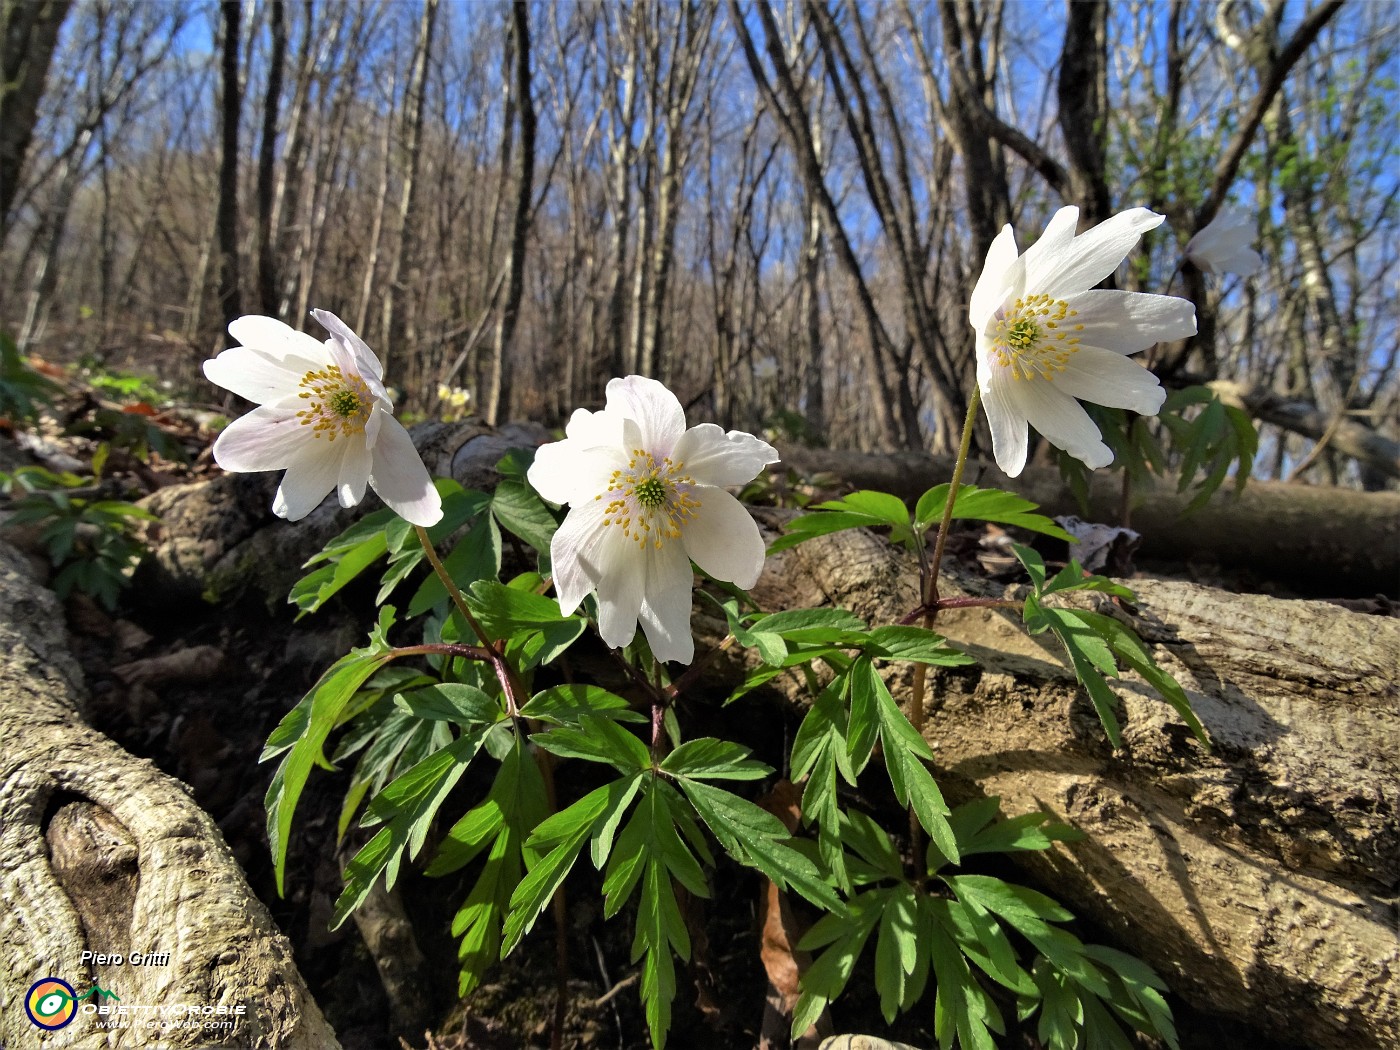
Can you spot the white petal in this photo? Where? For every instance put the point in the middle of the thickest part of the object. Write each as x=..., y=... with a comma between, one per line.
x=1240, y=259
x=573, y=553
x=994, y=285
x=655, y=409
x=366, y=362
x=591, y=429
x=1225, y=244
x=666, y=599
x=342, y=357
x=279, y=341
x=1060, y=419
x=1127, y=322
x=267, y=438
x=1050, y=250
x=355, y=467
x=571, y=472
x=381, y=410
x=621, y=579
x=723, y=538
x=713, y=457
x=1092, y=255
x=309, y=479
x=1108, y=378
x=400, y=478
x=1008, y=423
x=256, y=374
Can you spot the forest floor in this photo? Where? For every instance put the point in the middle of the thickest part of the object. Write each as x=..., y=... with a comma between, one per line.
x=198, y=697
x=197, y=692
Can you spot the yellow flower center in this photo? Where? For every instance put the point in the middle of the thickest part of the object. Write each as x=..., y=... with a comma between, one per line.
x=1029, y=338
x=336, y=403
x=650, y=492
x=649, y=501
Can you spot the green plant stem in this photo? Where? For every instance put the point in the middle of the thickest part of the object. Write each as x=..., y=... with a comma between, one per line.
x=467, y=652
x=931, y=584
x=559, y=907
x=931, y=605
x=511, y=687
x=451, y=585
x=514, y=693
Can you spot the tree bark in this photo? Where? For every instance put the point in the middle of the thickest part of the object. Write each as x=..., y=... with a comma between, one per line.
x=267, y=154
x=1082, y=91
x=1258, y=878
x=101, y=852
x=230, y=301
x=397, y=323
x=500, y=386
x=28, y=36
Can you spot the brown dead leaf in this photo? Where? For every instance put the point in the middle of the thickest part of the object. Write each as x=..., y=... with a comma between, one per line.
x=129, y=637
x=783, y=961
x=87, y=617
x=198, y=663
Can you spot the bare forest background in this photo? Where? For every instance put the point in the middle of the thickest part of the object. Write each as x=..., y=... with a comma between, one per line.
x=777, y=209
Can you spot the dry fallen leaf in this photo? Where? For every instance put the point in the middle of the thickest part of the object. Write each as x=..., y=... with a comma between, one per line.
x=198, y=663
x=780, y=932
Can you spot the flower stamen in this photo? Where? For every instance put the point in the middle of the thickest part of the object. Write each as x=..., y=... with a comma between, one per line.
x=650, y=502
x=338, y=404
x=1029, y=341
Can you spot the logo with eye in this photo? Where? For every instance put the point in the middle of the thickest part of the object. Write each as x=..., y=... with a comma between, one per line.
x=51, y=1003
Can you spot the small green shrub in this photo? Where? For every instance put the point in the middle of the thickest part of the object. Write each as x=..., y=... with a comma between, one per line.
x=92, y=542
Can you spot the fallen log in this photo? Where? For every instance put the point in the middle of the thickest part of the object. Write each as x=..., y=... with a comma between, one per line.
x=1346, y=435
x=1328, y=542
x=113, y=881
x=1259, y=877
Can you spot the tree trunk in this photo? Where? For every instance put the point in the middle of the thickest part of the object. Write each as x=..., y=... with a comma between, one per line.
x=397, y=325
x=500, y=386
x=1082, y=91
x=810, y=308
x=287, y=200
x=102, y=853
x=267, y=258
x=376, y=228
x=28, y=36
x=786, y=102
x=1258, y=878
x=230, y=301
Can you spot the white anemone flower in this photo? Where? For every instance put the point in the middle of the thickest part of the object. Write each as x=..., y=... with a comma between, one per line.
x=1224, y=245
x=1046, y=336
x=645, y=497
x=323, y=416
